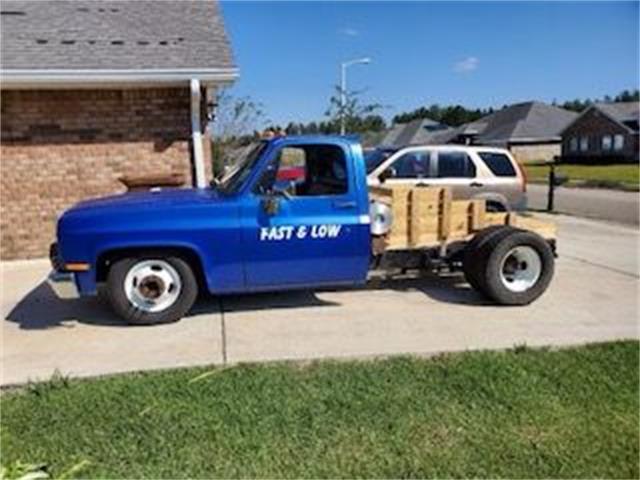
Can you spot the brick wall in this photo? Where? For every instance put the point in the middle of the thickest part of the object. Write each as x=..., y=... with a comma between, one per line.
x=60, y=147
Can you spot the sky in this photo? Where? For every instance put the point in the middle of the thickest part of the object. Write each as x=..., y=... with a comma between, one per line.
x=474, y=53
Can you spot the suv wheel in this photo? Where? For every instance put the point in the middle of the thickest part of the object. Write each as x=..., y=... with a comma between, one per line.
x=146, y=291
x=494, y=206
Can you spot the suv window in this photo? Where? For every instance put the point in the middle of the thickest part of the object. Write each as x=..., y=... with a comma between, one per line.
x=307, y=170
x=499, y=164
x=413, y=165
x=455, y=165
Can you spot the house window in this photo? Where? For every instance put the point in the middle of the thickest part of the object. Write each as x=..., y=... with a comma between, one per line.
x=606, y=142
x=618, y=142
x=584, y=144
x=573, y=144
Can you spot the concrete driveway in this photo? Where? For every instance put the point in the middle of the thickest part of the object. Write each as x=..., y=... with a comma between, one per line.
x=594, y=297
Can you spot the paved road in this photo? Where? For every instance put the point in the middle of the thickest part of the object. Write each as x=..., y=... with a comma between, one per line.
x=594, y=297
x=601, y=204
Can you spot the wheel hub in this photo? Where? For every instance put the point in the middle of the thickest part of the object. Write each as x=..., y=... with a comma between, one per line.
x=152, y=285
x=521, y=268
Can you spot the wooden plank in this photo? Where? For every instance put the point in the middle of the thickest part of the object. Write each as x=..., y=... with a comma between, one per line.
x=477, y=215
x=495, y=218
x=428, y=217
x=459, y=219
x=398, y=237
x=547, y=230
x=424, y=222
x=444, y=213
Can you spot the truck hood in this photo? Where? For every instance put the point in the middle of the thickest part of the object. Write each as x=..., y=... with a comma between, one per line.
x=149, y=199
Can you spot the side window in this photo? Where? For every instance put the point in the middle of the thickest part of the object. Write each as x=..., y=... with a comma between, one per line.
x=573, y=144
x=584, y=144
x=606, y=142
x=455, y=165
x=413, y=165
x=618, y=142
x=307, y=170
x=499, y=164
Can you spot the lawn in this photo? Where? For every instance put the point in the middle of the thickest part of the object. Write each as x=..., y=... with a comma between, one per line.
x=521, y=413
x=624, y=175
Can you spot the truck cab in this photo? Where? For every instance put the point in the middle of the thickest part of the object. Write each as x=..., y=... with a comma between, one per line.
x=250, y=231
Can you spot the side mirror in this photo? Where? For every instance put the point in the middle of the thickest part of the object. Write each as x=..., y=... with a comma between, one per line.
x=388, y=173
x=271, y=204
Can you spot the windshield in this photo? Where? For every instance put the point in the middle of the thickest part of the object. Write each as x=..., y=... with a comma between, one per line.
x=373, y=158
x=241, y=169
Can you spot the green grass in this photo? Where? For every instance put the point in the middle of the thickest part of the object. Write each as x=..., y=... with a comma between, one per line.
x=623, y=175
x=522, y=413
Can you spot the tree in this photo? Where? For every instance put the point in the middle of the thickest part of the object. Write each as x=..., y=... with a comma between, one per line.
x=353, y=110
x=236, y=117
x=236, y=121
x=452, y=115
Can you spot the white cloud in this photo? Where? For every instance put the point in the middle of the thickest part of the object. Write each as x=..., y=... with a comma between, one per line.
x=467, y=65
x=350, y=32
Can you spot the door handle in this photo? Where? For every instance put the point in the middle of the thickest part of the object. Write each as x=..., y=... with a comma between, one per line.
x=476, y=184
x=345, y=204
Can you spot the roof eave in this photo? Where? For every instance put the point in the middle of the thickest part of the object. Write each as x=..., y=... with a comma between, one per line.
x=92, y=78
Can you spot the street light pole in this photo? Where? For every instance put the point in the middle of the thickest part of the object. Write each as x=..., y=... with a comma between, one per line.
x=343, y=88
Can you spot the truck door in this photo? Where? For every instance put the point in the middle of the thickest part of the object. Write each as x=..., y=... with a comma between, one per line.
x=311, y=231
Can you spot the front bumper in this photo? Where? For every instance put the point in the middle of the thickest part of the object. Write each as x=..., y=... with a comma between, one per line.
x=63, y=284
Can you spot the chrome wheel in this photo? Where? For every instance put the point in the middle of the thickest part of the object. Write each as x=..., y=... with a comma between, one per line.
x=521, y=268
x=152, y=285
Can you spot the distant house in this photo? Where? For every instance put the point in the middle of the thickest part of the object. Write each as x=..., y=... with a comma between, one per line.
x=530, y=130
x=421, y=131
x=98, y=97
x=604, y=132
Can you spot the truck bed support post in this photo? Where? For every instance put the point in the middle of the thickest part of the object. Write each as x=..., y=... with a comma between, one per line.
x=196, y=134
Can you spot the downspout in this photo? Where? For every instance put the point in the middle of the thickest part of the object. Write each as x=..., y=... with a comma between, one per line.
x=196, y=135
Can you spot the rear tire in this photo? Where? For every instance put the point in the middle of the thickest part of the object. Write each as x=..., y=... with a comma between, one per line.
x=517, y=267
x=472, y=262
x=151, y=290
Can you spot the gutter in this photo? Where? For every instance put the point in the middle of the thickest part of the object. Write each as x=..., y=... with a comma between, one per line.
x=196, y=134
x=96, y=78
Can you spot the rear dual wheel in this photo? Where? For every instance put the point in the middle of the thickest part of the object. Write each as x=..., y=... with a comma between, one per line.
x=508, y=265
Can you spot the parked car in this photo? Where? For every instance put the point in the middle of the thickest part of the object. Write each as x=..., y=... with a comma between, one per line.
x=472, y=172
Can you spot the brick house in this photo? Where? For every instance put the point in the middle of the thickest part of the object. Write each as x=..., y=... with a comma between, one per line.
x=98, y=97
x=603, y=133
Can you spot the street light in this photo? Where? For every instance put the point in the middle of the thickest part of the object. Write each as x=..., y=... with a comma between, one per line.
x=343, y=86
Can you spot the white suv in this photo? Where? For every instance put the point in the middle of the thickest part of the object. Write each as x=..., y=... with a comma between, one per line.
x=471, y=172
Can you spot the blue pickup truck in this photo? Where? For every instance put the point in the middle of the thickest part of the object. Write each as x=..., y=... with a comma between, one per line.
x=249, y=231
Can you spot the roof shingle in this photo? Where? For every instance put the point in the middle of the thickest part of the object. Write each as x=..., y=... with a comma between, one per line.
x=113, y=35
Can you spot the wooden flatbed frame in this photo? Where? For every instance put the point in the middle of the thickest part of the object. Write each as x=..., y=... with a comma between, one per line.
x=428, y=217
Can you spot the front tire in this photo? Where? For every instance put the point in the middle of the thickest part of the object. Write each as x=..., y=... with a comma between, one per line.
x=151, y=290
